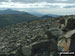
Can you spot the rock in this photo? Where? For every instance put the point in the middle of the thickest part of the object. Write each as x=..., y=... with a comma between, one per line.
x=26, y=50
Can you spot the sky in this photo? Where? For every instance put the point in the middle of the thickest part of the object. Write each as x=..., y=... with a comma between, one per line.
x=60, y=7
x=32, y=1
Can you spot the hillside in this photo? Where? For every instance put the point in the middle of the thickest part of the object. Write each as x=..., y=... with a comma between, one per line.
x=8, y=17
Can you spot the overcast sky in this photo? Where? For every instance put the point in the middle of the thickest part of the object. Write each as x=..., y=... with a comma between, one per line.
x=67, y=1
x=42, y=6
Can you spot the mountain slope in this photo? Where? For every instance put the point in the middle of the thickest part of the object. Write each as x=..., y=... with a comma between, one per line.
x=10, y=11
x=12, y=19
x=49, y=16
x=8, y=17
x=46, y=16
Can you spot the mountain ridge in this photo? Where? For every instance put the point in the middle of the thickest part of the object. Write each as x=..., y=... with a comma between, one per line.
x=8, y=17
x=11, y=11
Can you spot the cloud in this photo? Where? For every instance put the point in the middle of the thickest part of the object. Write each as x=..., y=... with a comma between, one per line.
x=33, y=1
x=41, y=7
x=35, y=5
x=61, y=0
x=57, y=11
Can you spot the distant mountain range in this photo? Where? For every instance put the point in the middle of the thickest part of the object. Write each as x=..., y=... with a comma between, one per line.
x=9, y=16
x=10, y=11
x=47, y=16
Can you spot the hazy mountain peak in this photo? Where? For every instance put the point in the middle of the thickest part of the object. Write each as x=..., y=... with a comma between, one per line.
x=10, y=11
